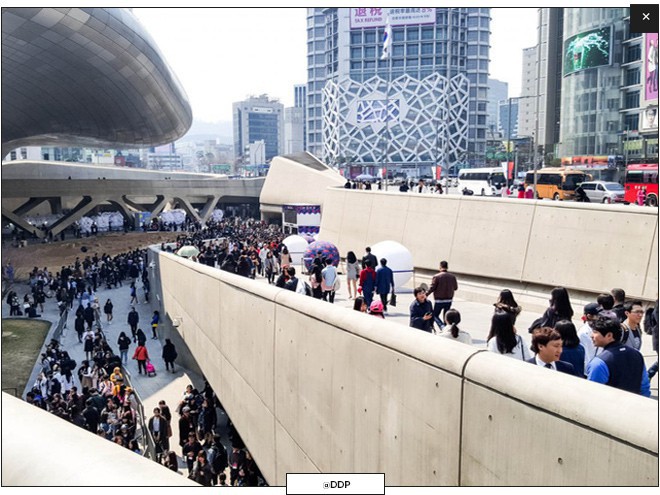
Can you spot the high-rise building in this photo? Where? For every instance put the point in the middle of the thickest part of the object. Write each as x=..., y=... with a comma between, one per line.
x=294, y=130
x=258, y=118
x=527, y=103
x=299, y=95
x=540, y=102
x=497, y=91
x=600, y=86
x=300, y=101
x=428, y=100
x=509, y=115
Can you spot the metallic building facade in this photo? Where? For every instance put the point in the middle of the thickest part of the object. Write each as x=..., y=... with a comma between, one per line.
x=456, y=43
x=86, y=77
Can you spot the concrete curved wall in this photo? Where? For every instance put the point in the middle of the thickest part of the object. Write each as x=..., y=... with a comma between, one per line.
x=579, y=246
x=316, y=388
x=39, y=449
x=297, y=178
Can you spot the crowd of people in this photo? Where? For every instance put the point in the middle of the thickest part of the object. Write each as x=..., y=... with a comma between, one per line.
x=206, y=458
x=95, y=395
x=251, y=246
x=605, y=349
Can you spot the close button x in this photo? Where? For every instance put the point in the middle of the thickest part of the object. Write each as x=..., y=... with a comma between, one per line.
x=646, y=16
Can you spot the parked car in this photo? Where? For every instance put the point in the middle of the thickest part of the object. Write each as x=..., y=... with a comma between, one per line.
x=599, y=191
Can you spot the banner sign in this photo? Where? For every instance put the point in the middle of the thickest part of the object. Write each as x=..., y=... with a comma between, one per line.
x=371, y=17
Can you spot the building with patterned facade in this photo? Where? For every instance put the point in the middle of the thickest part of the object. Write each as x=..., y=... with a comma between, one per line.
x=433, y=50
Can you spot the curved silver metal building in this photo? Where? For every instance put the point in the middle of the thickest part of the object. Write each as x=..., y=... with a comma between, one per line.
x=86, y=76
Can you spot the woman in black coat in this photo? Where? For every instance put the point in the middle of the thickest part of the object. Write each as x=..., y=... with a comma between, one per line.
x=560, y=309
x=141, y=337
x=169, y=354
x=124, y=342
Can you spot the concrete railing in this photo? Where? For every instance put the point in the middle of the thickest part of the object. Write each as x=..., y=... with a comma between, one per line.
x=587, y=247
x=25, y=463
x=316, y=388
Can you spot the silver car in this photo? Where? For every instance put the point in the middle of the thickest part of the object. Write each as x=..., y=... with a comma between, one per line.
x=599, y=191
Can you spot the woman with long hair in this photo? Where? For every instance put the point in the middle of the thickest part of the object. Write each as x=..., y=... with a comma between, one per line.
x=316, y=277
x=503, y=338
x=572, y=350
x=352, y=274
x=559, y=309
x=451, y=331
x=285, y=258
x=360, y=304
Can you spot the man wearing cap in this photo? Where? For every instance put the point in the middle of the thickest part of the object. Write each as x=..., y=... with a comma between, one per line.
x=617, y=365
x=584, y=333
x=186, y=425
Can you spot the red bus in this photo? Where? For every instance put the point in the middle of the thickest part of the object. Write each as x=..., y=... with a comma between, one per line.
x=639, y=176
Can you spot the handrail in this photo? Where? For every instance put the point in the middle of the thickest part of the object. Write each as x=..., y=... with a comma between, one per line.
x=61, y=324
x=149, y=444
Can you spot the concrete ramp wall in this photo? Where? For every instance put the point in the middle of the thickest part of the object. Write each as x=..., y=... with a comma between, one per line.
x=317, y=388
x=585, y=247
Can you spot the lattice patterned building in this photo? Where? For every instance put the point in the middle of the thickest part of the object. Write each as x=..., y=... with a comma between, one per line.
x=426, y=119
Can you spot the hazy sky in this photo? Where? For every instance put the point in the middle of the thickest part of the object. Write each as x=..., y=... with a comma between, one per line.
x=221, y=55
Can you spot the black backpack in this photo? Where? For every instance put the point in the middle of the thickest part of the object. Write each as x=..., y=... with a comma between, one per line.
x=55, y=386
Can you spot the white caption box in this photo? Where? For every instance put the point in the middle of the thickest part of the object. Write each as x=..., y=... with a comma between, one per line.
x=335, y=483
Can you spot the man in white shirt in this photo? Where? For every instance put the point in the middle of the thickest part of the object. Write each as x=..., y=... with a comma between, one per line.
x=591, y=311
x=328, y=279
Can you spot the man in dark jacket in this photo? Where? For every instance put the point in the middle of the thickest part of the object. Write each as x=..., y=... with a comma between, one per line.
x=617, y=365
x=92, y=416
x=80, y=327
x=384, y=282
x=169, y=355
x=373, y=261
x=442, y=287
x=88, y=314
x=133, y=320
x=421, y=311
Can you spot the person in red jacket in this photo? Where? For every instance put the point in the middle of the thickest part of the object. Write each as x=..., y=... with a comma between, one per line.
x=142, y=356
